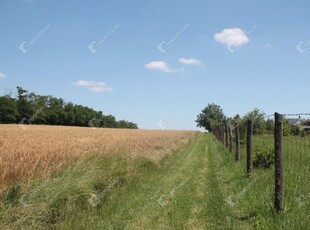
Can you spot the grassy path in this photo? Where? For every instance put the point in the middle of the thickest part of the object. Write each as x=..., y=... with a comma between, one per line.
x=185, y=191
x=182, y=194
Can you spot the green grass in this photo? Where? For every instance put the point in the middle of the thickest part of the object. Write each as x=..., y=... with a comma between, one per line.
x=252, y=198
x=198, y=187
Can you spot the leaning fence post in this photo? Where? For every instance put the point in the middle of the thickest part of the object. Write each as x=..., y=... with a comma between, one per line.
x=237, y=142
x=278, y=149
x=249, y=148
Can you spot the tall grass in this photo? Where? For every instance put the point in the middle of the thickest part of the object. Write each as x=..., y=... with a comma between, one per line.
x=108, y=192
x=34, y=152
x=251, y=199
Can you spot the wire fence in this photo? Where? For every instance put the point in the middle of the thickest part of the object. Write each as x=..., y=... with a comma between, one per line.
x=284, y=145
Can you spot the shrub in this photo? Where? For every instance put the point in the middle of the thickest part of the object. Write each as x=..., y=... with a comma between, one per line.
x=263, y=158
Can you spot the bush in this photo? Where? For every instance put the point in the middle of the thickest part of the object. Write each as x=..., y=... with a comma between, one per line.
x=263, y=158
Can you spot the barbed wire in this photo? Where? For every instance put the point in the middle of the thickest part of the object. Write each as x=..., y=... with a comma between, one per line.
x=289, y=115
x=235, y=124
x=295, y=114
x=267, y=116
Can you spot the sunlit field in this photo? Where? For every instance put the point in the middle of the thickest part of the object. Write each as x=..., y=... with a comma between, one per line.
x=32, y=152
x=257, y=194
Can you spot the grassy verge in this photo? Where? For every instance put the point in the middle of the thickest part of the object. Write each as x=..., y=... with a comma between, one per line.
x=100, y=192
x=198, y=187
x=250, y=200
x=114, y=193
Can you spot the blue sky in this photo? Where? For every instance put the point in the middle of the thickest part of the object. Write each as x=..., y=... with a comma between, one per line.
x=159, y=63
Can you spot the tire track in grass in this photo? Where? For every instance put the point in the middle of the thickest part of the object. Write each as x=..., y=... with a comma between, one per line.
x=182, y=194
x=198, y=203
x=171, y=206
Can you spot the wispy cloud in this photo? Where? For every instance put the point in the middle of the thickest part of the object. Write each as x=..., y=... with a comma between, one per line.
x=2, y=75
x=232, y=36
x=161, y=66
x=190, y=61
x=94, y=86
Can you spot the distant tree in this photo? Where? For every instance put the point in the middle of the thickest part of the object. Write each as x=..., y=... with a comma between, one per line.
x=40, y=105
x=210, y=116
x=36, y=109
x=258, y=118
x=55, y=111
x=80, y=116
x=24, y=106
x=69, y=114
x=126, y=125
x=8, y=110
x=269, y=125
x=109, y=122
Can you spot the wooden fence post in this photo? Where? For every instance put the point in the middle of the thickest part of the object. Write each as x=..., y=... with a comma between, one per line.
x=226, y=136
x=278, y=149
x=231, y=141
x=237, y=142
x=249, y=148
x=223, y=133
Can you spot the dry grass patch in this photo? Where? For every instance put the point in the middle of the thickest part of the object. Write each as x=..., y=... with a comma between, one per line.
x=37, y=151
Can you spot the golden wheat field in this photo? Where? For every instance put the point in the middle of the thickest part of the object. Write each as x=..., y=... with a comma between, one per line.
x=35, y=151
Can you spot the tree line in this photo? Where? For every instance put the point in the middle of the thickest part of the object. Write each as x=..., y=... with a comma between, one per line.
x=30, y=108
x=213, y=115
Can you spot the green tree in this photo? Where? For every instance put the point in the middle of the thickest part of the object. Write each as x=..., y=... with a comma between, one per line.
x=37, y=109
x=24, y=106
x=8, y=110
x=210, y=116
x=126, y=125
x=69, y=114
x=109, y=121
x=55, y=111
x=258, y=118
x=270, y=125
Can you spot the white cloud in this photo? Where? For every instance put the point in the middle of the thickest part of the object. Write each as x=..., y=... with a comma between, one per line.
x=161, y=66
x=2, y=75
x=190, y=61
x=94, y=86
x=232, y=37
x=100, y=89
